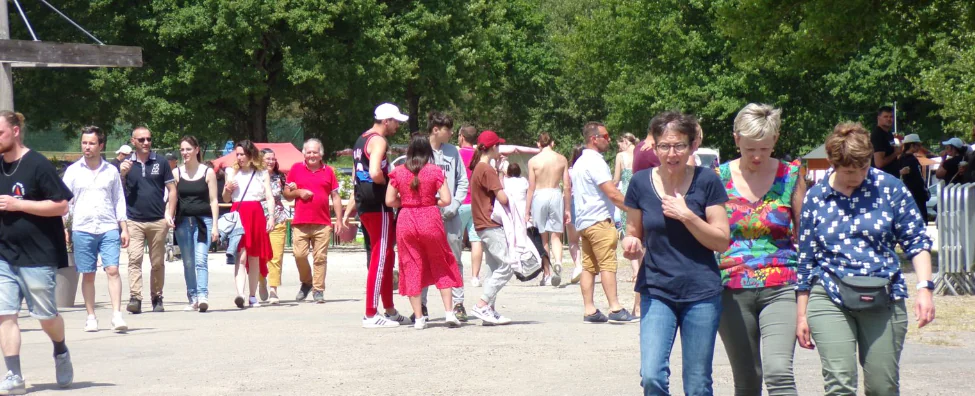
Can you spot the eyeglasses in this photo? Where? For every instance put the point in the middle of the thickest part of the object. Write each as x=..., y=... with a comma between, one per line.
x=679, y=147
x=603, y=136
x=144, y=140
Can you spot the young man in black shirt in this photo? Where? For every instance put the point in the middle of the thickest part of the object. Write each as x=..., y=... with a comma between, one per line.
x=885, y=152
x=32, y=248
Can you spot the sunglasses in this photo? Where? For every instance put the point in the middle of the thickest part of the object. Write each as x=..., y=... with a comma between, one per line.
x=144, y=140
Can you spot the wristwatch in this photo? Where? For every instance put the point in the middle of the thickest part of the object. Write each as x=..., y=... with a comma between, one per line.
x=925, y=285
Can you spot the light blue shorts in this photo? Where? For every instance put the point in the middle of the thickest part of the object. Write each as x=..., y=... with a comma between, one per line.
x=467, y=222
x=88, y=247
x=34, y=284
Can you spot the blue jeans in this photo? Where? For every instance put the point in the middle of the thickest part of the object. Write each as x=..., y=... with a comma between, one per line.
x=698, y=324
x=194, y=246
x=33, y=284
x=87, y=248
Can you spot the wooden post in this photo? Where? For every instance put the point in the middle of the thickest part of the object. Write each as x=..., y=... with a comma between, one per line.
x=6, y=78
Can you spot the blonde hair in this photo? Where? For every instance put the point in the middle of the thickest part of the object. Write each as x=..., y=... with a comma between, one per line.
x=849, y=146
x=757, y=121
x=629, y=138
x=13, y=119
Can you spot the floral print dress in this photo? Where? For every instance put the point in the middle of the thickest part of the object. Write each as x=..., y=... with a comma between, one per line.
x=762, y=251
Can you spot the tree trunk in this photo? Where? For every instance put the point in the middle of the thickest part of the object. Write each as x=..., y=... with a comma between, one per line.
x=269, y=61
x=413, y=107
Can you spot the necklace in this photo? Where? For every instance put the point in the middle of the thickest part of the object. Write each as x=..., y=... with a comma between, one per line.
x=2, y=166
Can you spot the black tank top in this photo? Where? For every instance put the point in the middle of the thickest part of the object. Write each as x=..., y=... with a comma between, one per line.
x=369, y=196
x=194, y=196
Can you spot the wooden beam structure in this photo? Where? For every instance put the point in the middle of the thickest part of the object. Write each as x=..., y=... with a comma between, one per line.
x=21, y=53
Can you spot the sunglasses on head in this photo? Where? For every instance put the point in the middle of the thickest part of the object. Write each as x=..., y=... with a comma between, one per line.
x=144, y=140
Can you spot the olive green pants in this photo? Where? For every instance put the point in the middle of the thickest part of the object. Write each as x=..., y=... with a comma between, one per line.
x=758, y=329
x=839, y=335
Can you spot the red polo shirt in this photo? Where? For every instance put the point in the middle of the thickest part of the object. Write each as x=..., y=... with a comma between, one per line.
x=321, y=183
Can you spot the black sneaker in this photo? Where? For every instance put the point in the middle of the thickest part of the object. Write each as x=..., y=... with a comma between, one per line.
x=622, y=316
x=423, y=309
x=303, y=292
x=157, y=304
x=239, y=301
x=135, y=306
x=596, y=317
x=319, y=297
x=460, y=312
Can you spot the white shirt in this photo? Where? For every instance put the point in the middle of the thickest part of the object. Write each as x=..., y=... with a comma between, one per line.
x=98, y=204
x=591, y=204
x=256, y=190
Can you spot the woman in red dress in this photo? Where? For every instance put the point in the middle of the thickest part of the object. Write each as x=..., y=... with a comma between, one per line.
x=425, y=258
x=249, y=186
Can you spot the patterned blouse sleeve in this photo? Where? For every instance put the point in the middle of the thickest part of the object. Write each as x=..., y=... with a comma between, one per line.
x=807, y=242
x=909, y=228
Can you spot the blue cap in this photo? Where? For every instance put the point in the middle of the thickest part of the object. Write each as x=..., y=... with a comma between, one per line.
x=953, y=142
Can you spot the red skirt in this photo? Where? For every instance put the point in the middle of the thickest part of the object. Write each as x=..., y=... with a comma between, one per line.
x=255, y=238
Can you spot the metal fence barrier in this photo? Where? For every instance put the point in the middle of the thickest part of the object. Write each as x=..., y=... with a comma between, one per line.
x=956, y=240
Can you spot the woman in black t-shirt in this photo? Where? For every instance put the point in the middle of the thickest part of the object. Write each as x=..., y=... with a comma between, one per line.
x=196, y=220
x=951, y=161
x=676, y=216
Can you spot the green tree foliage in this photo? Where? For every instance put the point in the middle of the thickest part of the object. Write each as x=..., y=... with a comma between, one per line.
x=226, y=68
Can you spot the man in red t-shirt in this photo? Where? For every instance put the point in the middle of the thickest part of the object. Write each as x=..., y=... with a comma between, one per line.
x=310, y=184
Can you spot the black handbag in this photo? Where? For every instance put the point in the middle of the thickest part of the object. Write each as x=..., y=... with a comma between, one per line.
x=864, y=293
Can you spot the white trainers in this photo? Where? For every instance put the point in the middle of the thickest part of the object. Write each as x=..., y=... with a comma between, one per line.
x=396, y=317
x=421, y=323
x=500, y=319
x=577, y=274
x=254, y=303
x=451, y=319
x=118, y=324
x=485, y=314
x=378, y=322
x=546, y=281
x=13, y=384
x=475, y=281
x=91, y=325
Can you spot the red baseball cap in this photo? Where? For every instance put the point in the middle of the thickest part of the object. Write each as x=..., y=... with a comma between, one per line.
x=489, y=139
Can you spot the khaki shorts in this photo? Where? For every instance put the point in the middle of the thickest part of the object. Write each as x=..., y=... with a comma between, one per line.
x=599, y=247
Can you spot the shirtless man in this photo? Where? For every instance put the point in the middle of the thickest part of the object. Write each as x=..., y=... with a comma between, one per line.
x=548, y=203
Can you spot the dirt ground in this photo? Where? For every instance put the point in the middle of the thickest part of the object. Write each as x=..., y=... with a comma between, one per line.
x=304, y=348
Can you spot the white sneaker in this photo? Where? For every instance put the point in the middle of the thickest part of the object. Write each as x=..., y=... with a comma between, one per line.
x=254, y=303
x=396, y=317
x=500, y=319
x=91, y=325
x=451, y=319
x=421, y=323
x=118, y=324
x=378, y=322
x=485, y=314
x=577, y=274
x=546, y=281
x=475, y=281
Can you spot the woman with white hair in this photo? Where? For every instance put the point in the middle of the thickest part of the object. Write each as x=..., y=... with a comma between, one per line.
x=759, y=268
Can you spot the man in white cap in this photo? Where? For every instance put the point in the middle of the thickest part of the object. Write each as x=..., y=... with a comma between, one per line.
x=910, y=173
x=953, y=165
x=120, y=155
x=370, y=175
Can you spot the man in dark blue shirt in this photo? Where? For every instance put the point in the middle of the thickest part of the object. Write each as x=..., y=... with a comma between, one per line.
x=148, y=180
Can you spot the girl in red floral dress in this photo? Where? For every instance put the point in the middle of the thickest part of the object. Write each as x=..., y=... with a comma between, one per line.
x=425, y=258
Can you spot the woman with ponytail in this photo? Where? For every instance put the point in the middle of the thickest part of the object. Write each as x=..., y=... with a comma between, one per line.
x=425, y=258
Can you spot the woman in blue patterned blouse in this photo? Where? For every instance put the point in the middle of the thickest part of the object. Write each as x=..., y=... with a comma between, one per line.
x=850, y=223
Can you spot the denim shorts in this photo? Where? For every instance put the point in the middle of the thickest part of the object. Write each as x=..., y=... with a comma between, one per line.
x=88, y=247
x=34, y=284
x=467, y=222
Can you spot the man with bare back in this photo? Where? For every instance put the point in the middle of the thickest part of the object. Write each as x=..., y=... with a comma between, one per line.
x=547, y=202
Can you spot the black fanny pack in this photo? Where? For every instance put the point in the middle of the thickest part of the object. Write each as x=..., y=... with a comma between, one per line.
x=864, y=293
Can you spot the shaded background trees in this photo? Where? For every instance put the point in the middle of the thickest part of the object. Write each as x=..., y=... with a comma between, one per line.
x=239, y=69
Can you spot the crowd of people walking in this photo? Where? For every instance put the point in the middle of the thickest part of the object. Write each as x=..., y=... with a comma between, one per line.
x=747, y=252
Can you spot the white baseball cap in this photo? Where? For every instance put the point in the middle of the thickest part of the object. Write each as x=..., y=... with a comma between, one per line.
x=386, y=111
x=125, y=149
x=912, y=138
x=954, y=142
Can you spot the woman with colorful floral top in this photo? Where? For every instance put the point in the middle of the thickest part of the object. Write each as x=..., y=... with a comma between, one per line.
x=758, y=270
x=279, y=231
x=850, y=290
